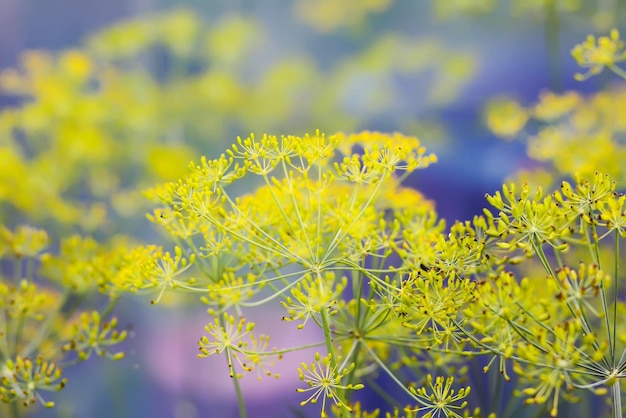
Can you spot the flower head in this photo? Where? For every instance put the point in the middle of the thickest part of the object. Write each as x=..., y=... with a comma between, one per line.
x=324, y=380
x=23, y=378
x=595, y=55
x=234, y=338
x=439, y=399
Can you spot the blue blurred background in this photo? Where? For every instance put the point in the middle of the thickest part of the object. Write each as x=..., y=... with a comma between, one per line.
x=425, y=68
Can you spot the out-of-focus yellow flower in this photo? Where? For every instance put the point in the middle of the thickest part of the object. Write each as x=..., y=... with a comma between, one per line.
x=330, y=15
x=522, y=7
x=179, y=31
x=505, y=117
x=24, y=241
x=595, y=55
x=124, y=40
x=77, y=64
x=232, y=39
x=455, y=8
x=552, y=106
x=168, y=162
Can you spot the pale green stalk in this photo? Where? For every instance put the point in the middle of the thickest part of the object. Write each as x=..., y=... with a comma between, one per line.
x=616, y=394
x=615, y=295
x=240, y=401
x=14, y=410
x=63, y=311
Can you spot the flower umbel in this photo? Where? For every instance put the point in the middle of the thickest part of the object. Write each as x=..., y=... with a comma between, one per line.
x=24, y=378
x=235, y=338
x=443, y=401
x=324, y=381
x=595, y=55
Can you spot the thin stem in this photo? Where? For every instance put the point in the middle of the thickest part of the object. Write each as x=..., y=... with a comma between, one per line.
x=581, y=317
x=240, y=402
x=392, y=375
x=330, y=347
x=65, y=309
x=110, y=306
x=14, y=410
x=617, y=70
x=617, y=399
x=615, y=294
x=595, y=254
x=552, y=43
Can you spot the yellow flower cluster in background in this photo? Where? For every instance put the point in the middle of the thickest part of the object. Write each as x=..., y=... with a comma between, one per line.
x=116, y=125
x=45, y=327
x=328, y=15
x=575, y=133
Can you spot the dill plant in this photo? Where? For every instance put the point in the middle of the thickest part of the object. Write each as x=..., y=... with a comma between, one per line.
x=333, y=236
x=49, y=321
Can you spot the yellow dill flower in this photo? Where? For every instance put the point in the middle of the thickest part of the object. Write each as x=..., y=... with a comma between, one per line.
x=27, y=301
x=505, y=117
x=92, y=335
x=429, y=305
x=84, y=265
x=389, y=152
x=613, y=213
x=595, y=55
x=578, y=288
x=25, y=241
x=22, y=379
x=77, y=64
x=230, y=335
x=162, y=271
x=583, y=199
x=232, y=291
x=234, y=337
x=556, y=349
x=324, y=380
x=312, y=295
x=329, y=16
x=530, y=220
x=552, y=106
x=577, y=133
x=439, y=399
x=501, y=308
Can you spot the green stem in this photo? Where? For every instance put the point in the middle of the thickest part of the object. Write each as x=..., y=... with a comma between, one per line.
x=110, y=306
x=617, y=70
x=14, y=410
x=240, y=402
x=330, y=348
x=393, y=377
x=615, y=295
x=17, y=271
x=595, y=255
x=552, y=43
x=64, y=310
x=581, y=317
x=617, y=399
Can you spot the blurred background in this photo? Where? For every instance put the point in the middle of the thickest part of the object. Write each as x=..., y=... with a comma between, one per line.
x=105, y=99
